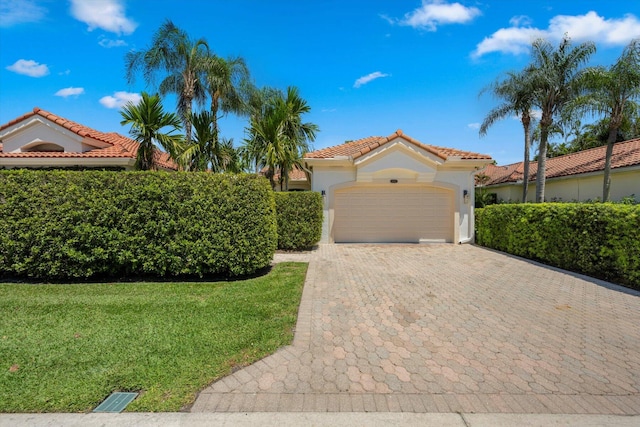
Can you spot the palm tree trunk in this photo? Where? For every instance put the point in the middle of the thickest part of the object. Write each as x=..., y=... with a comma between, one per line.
x=214, y=115
x=526, y=124
x=611, y=140
x=187, y=121
x=542, y=164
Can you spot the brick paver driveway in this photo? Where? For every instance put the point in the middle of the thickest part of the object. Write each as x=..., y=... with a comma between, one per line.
x=446, y=328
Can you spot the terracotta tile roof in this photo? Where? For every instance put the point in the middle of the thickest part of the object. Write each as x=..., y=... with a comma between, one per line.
x=119, y=146
x=626, y=153
x=360, y=147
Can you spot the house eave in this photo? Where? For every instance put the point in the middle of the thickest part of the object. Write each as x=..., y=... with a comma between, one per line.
x=329, y=162
x=40, y=162
x=566, y=177
x=459, y=163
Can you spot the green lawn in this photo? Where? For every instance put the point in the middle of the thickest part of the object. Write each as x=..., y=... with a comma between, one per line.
x=64, y=348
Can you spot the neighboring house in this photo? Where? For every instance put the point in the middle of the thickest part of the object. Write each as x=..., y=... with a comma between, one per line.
x=395, y=189
x=41, y=139
x=297, y=180
x=572, y=177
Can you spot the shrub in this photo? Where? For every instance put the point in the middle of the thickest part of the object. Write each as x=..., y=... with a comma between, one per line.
x=597, y=239
x=69, y=224
x=299, y=215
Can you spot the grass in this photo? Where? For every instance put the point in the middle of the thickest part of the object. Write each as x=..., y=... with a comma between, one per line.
x=65, y=348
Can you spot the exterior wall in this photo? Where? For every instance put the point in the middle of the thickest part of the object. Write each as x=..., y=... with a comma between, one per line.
x=329, y=179
x=462, y=180
x=624, y=183
x=65, y=162
x=322, y=181
x=35, y=132
x=298, y=185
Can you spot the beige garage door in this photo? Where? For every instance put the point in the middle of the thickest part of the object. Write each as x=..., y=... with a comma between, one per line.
x=393, y=213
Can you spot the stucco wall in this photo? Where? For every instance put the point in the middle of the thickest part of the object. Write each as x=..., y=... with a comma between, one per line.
x=330, y=178
x=36, y=131
x=322, y=180
x=463, y=180
x=624, y=183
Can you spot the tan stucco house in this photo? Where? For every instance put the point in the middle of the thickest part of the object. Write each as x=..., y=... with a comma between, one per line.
x=572, y=177
x=395, y=189
x=41, y=139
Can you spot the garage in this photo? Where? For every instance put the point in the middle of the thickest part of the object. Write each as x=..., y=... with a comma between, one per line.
x=393, y=214
x=395, y=189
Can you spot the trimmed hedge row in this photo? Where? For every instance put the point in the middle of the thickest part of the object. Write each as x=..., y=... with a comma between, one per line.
x=598, y=239
x=299, y=216
x=70, y=224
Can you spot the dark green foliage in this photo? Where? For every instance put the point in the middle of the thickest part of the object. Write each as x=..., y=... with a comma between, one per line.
x=299, y=216
x=63, y=224
x=598, y=239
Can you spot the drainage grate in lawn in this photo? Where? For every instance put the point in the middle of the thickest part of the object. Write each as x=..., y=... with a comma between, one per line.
x=116, y=402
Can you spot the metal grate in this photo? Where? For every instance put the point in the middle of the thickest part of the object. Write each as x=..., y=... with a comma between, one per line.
x=116, y=402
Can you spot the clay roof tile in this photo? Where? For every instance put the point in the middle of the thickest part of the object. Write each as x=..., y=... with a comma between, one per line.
x=360, y=147
x=626, y=153
x=120, y=146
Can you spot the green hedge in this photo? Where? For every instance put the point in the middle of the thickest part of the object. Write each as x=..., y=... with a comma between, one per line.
x=299, y=216
x=58, y=225
x=598, y=239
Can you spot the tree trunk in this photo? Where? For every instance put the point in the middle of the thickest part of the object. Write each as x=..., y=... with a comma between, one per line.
x=526, y=124
x=187, y=121
x=542, y=163
x=214, y=115
x=611, y=140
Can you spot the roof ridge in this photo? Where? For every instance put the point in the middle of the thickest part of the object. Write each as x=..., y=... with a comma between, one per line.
x=359, y=147
x=117, y=142
x=625, y=153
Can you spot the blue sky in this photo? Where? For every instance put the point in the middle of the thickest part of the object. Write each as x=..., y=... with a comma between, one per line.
x=366, y=67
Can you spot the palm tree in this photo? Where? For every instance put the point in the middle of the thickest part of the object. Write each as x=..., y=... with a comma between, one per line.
x=206, y=152
x=147, y=119
x=196, y=155
x=516, y=92
x=556, y=75
x=174, y=53
x=297, y=134
x=612, y=93
x=226, y=82
x=278, y=138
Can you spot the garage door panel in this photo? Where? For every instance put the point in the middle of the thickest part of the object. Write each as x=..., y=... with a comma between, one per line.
x=393, y=214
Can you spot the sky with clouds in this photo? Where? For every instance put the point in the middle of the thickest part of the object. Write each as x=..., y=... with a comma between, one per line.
x=366, y=67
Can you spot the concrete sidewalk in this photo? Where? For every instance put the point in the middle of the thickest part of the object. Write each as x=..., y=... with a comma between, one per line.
x=328, y=419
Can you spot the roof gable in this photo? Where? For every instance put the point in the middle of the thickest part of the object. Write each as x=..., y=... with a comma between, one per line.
x=99, y=144
x=355, y=149
x=626, y=153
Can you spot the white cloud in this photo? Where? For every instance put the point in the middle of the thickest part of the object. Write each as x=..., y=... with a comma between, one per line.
x=13, y=12
x=108, y=15
x=535, y=113
x=64, y=73
x=520, y=20
x=70, y=91
x=120, y=99
x=108, y=43
x=473, y=126
x=509, y=40
x=369, y=77
x=438, y=12
x=591, y=26
x=29, y=68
